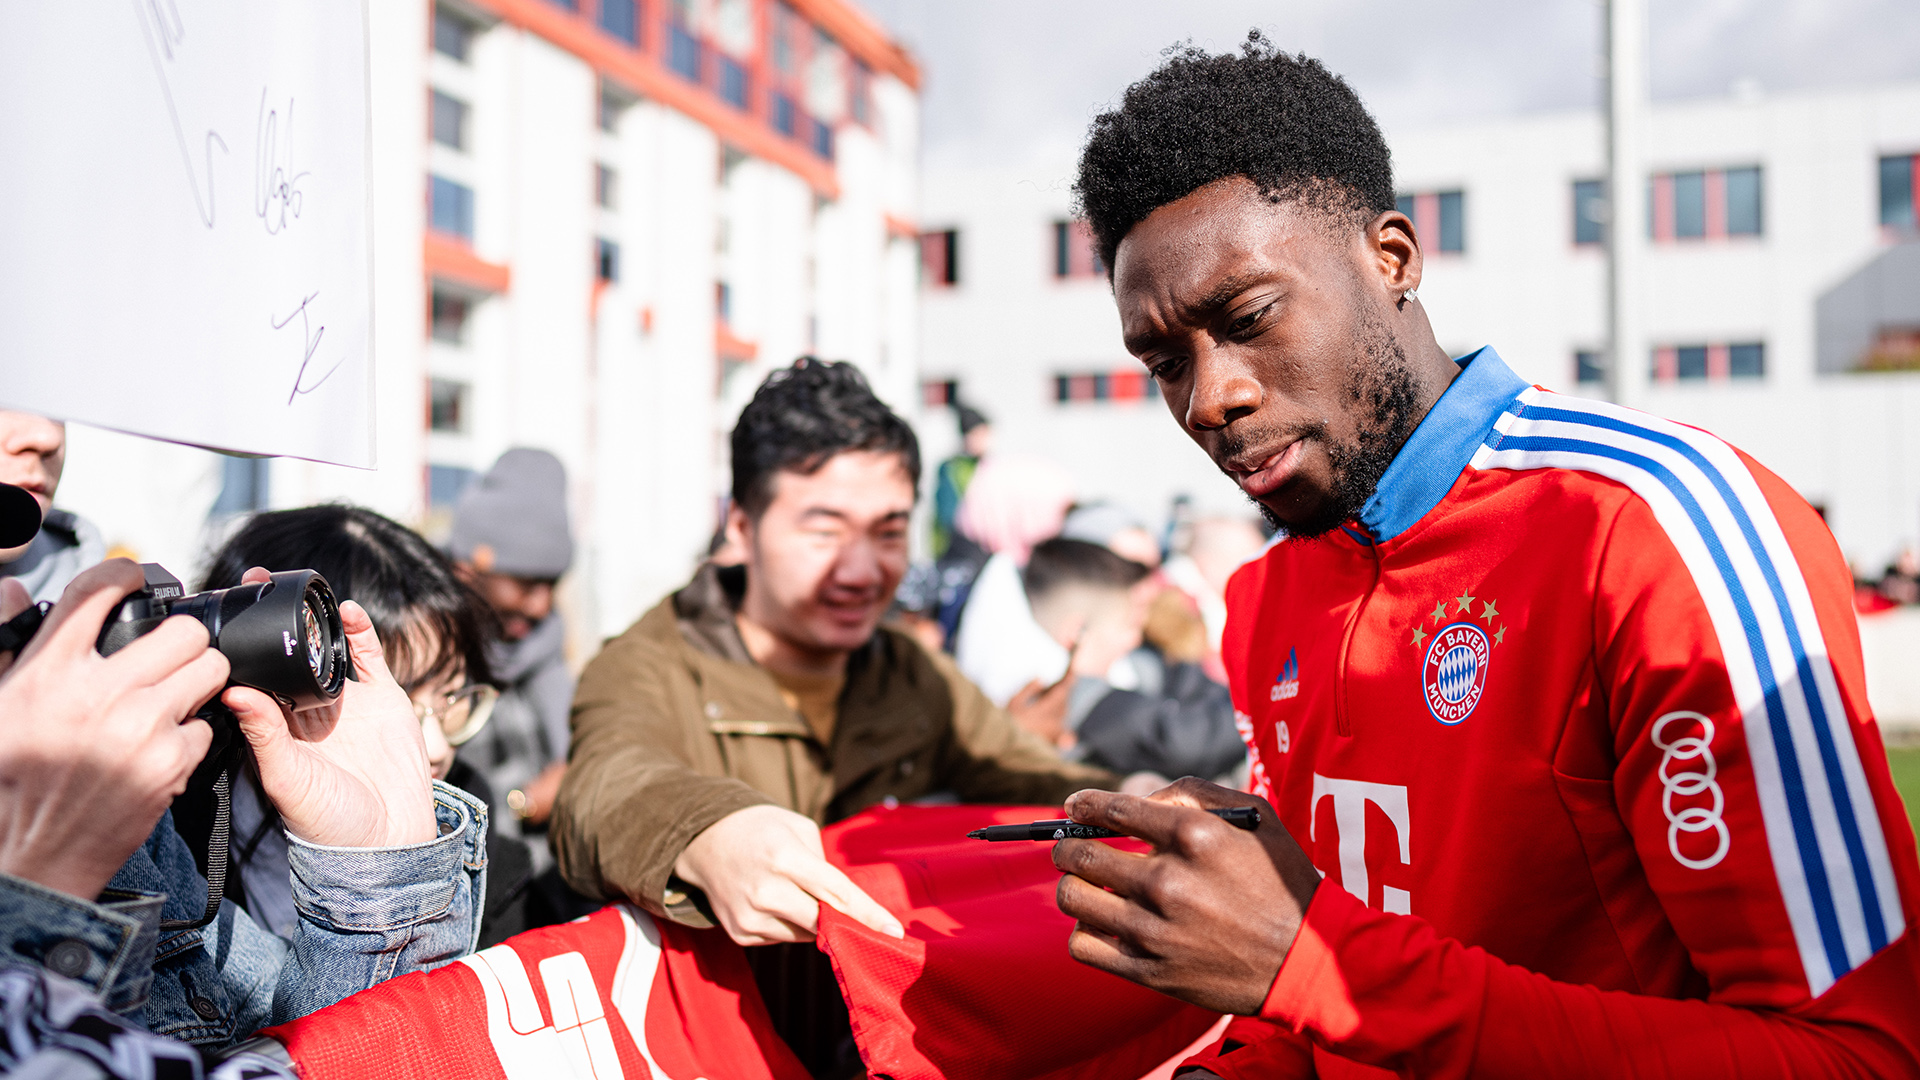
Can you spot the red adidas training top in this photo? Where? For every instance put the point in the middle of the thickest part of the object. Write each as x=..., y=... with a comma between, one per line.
x=1573, y=717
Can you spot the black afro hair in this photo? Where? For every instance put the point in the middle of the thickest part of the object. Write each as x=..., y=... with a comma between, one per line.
x=1285, y=122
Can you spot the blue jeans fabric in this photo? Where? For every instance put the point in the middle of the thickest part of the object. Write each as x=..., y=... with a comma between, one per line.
x=366, y=915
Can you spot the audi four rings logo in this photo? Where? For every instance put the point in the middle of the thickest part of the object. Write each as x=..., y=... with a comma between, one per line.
x=1687, y=737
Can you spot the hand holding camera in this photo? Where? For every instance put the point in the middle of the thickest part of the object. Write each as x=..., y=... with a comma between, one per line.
x=351, y=772
x=93, y=748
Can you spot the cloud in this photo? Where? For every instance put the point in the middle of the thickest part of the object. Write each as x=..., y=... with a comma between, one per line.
x=1013, y=81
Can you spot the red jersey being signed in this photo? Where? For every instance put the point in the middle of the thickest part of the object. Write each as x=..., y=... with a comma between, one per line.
x=1572, y=719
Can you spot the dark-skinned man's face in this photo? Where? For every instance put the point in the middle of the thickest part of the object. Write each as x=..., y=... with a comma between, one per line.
x=1269, y=326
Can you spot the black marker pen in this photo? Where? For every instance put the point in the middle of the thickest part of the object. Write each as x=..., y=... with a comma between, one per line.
x=1240, y=817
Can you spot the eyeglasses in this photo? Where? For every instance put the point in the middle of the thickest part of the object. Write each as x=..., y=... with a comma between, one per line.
x=460, y=714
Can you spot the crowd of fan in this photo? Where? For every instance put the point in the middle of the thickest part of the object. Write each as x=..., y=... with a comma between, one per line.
x=461, y=791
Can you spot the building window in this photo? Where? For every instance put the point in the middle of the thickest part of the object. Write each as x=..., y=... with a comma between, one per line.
x=860, y=94
x=1708, y=204
x=621, y=19
x=446, y=483
x=1900, y=192
x=940, y=258
x=450, y=207
x=1130, y=384
x=1074, y=254
x=1589, y=367
x=785, y=27
x=1440, y=215
x=449, y=322
x=1743, y=202
x=605, y=187
x=732, y=79
x=607, y=114
x=606, y=260
x=1690, y=362
x=935, y=393
x=452, y=35
x=1709, y=363
x=1589, y=211
x=243, y=485
x=683, y=52
x=446, y=405
x=449, y=121
x=723, y=301
x=783, y=113
x=821, y=141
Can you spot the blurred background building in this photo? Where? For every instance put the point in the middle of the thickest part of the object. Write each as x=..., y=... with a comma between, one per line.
x=1780, y=303
x=597, y=225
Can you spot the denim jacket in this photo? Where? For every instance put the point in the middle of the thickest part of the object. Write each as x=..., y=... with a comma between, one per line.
x=366, y=915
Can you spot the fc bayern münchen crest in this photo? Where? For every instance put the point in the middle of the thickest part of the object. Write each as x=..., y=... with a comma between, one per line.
x=1455, y=673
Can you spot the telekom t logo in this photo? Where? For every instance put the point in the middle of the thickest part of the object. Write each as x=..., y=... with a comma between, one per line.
x=1350, y=799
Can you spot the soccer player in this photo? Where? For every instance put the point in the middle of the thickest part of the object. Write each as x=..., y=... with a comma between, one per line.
x=1558, y=707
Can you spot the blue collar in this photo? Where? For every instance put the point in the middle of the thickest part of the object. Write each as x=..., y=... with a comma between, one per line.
x=1425, y=468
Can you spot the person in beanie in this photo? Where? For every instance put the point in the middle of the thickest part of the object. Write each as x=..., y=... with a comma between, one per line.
x=511, y=542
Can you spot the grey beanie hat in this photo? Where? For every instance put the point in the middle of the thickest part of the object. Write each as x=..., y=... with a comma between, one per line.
x=519, y=511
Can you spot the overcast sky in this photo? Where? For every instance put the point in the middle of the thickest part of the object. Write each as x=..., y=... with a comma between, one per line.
x=1009, y=80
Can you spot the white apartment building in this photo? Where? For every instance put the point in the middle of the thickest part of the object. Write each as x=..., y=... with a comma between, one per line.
x=1781, y=301
x=598, y=225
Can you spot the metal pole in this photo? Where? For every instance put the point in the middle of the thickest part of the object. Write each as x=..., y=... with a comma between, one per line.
x=1626, y=111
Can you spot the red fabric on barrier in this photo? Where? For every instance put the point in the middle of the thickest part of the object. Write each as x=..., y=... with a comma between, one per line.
x=982, y=987
x=482, y=1016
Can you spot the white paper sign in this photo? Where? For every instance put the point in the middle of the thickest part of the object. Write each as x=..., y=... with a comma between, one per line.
x=184, y=221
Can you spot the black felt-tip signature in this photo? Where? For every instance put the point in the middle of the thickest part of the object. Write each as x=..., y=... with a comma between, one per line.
x=165, y=33
x=276, y=186
x=309, y=344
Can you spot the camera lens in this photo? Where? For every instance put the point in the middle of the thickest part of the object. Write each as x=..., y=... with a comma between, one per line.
x=319, y=657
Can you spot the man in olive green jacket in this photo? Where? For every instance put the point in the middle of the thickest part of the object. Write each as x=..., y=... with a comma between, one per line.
x=713, y=738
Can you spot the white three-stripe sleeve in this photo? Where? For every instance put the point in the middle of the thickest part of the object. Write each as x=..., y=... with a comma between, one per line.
x=1714, y=513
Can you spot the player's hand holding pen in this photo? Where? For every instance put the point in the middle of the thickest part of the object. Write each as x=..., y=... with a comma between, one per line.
x=1202, y=917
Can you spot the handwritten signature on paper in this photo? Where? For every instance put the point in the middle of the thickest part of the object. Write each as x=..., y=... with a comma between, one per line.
x=276, y=186
x=309, y=344
x=166, y=34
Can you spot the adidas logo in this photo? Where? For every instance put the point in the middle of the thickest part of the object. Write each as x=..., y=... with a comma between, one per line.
x=1287, y=683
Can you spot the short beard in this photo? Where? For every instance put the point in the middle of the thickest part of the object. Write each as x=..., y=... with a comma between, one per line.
x=1383, y=384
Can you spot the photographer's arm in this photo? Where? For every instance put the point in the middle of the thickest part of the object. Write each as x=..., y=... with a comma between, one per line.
x=92, y=749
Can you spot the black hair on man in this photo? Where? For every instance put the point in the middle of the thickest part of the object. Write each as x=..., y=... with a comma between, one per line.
x=1285, y=122
x=1060, y=562
x=802, y=416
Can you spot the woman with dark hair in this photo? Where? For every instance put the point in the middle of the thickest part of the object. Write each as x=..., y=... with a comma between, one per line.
x=435, y=631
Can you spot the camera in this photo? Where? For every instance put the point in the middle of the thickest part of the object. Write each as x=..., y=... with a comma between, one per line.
x=282, y=636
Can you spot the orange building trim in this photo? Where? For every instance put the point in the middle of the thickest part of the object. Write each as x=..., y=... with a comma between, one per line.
x=728, y=347
x=455, y=262
x=862, y=37
x=644, y=75
x=899, y=228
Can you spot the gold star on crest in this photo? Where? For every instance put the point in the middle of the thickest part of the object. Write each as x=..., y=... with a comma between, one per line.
x=1440, y=612
x=1500, y=636
x=1419, y=636
x=1488, y=611
x=1465, y=600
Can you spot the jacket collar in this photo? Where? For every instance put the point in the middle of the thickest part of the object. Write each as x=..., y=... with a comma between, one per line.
x=1438, y=451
